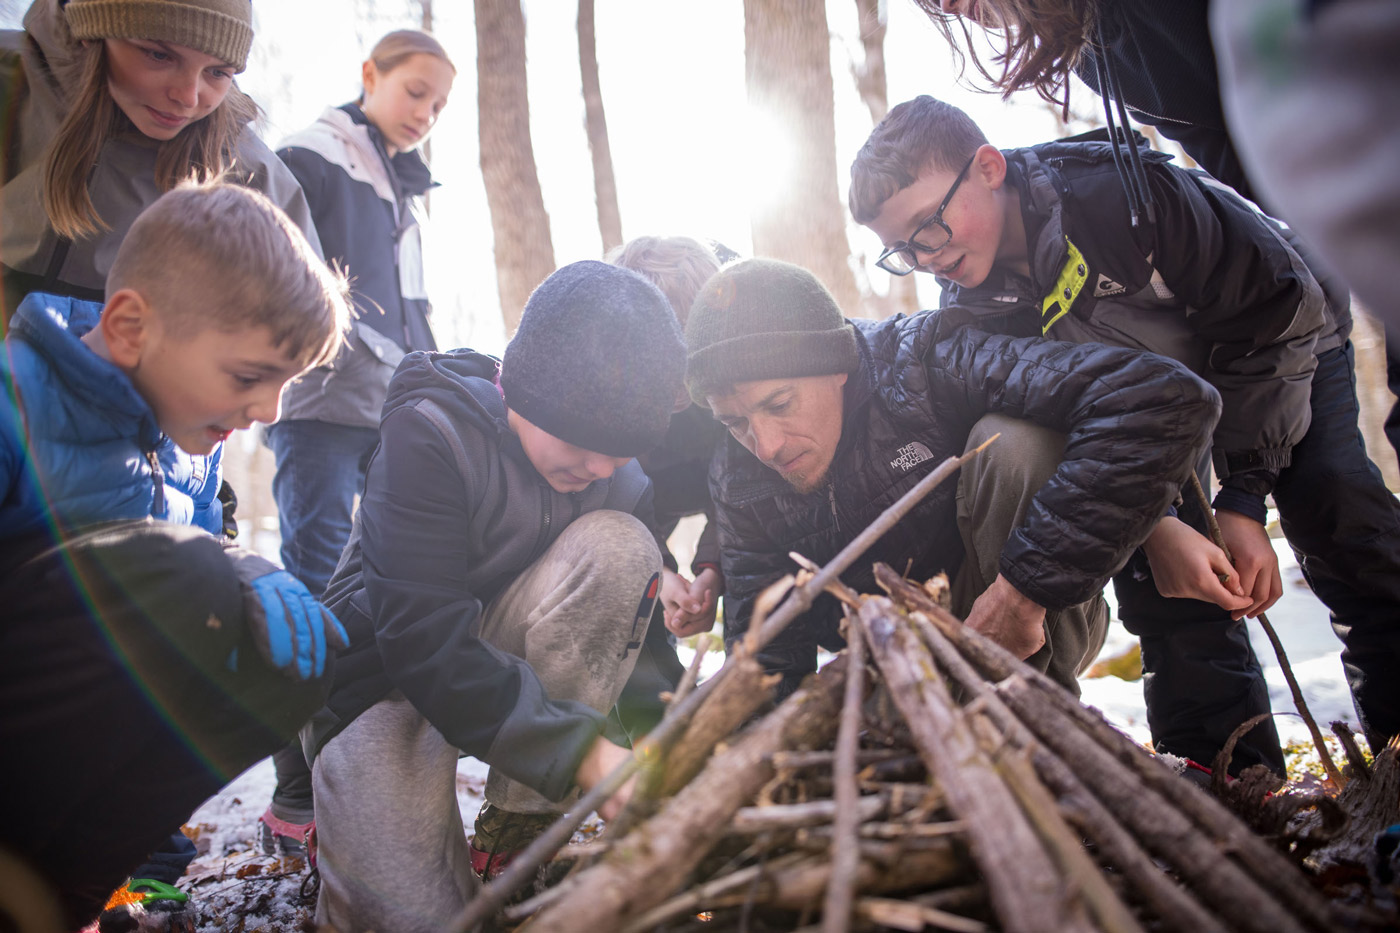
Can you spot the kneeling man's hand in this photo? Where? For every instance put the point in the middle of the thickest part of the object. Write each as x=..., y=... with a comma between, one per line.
x=602, y=757
x=1009, y=618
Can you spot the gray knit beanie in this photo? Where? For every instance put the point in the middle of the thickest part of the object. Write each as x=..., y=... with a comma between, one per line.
x=764, y=319
x=221, y=28
x=597, y=360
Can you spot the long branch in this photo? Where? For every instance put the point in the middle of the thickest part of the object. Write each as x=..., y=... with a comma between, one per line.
x=1075, y=801
x=1302, y=705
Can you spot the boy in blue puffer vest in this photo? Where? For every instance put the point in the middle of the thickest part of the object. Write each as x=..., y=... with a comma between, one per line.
x=143, y=662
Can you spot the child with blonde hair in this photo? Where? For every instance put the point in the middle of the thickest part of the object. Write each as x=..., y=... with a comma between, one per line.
x=144, y=661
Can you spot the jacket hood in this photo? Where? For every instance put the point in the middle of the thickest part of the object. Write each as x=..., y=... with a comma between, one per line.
x=446, y=378
x=51, y=54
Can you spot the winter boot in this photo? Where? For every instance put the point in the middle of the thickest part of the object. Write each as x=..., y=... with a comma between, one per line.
x=501, y=835
x=278, y=837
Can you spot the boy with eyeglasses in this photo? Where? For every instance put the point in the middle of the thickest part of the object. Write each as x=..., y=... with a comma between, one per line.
x=1048, y=240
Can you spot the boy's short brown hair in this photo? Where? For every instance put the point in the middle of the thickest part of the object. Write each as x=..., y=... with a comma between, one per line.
x=678, y=265
x=224, y=256
x=914, y=136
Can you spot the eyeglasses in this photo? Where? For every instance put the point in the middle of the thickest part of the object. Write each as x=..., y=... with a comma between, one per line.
x=902, y=258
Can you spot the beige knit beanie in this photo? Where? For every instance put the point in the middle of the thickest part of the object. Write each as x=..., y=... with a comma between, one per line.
x=221, y=28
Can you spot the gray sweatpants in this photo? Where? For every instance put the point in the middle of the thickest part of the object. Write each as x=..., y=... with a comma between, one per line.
x=392, y=850
x=994, y=491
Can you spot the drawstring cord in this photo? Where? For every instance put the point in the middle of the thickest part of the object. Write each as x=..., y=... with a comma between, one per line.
x=1130, y=171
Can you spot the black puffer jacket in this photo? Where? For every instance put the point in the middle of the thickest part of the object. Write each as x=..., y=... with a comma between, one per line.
x=452, y=513
x=1136, y=422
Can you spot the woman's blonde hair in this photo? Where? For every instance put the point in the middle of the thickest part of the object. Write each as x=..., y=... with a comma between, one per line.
x=398, y=46
x=204, y=150
x=1041, y=42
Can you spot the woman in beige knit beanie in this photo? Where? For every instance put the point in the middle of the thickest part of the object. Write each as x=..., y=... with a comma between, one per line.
x=117, y=101
x=167, y=66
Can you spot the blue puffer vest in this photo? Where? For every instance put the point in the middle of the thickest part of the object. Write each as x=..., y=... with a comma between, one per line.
x=78, y=443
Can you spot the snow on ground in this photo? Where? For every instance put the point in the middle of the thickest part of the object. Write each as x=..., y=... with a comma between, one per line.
x=238, y=889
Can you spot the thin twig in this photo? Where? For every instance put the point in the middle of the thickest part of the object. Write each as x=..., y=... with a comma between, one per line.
x=705, y=895
x=1328, y=764
x=492, y=897
x=692, y=673
x=1359, y=767
x=845, y=841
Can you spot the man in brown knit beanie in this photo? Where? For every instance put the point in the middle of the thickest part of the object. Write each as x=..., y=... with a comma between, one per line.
x=832, y=420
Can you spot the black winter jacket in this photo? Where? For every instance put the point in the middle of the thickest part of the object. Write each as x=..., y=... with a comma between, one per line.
x=452, y=512
x=367, y=207
x=1163, y=63
x=1136, y=425
x=1212, y=284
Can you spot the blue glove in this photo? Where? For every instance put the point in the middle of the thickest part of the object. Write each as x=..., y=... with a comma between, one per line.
x=290, y=627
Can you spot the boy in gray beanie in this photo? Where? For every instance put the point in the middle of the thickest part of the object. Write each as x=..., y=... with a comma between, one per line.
x=831, y=421
x=497, y=585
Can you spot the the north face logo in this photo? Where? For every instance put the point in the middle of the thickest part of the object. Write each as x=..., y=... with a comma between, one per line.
x=1106, y=286
x=910, y=456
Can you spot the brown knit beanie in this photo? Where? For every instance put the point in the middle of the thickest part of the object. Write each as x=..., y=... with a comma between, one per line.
x=221, y=28
x=764, y=319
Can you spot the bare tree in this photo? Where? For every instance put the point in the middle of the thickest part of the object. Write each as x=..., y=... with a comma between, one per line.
x=870, y=71
x=787, y=53
x=869, y=74
x=596, y=122
x=524, y=249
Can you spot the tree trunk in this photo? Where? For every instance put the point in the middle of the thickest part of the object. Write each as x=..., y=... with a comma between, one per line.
x=596, y=122
x=788, y=65
x=874, y=91
x=870, y=73
x=524, y=251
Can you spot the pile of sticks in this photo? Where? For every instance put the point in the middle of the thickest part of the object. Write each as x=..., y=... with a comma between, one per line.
x=925, y=778
x=967, y=808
